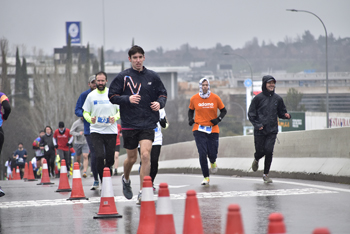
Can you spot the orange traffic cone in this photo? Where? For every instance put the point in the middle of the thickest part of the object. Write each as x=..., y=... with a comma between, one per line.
x=321, y=231
x=18, y=173
x=77, y=185
x=276, y=224
x=148, y=210
x=45, y=178
x=30, y=172
x=63, y=185
x=193, y=220
x=234, y=220
x=25, y=176
x=164, y=215
x=107, y=203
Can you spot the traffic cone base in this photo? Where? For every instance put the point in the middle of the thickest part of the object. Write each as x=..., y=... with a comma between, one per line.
x=108, y=208
x=64, y=183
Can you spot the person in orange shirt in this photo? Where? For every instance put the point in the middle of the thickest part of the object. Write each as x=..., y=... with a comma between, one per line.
x=206, y=129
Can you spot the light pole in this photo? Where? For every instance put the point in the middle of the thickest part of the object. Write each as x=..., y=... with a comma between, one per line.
x=103, y=15
x=325, y=30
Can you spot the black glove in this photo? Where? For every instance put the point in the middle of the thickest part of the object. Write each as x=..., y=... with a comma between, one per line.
x=191, y=122
x=215, y=121
x=56, y=146
x=163, y=122
x=69, y=144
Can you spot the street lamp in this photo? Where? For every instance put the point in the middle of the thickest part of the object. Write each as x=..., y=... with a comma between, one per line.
x=325, y=30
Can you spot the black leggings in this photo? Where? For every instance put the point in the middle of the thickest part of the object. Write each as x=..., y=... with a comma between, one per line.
x=264, y=146
x=104, y=145
x=2, y=138
x=51, y=161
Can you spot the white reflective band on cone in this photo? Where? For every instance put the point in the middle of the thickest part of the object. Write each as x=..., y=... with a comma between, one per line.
x=163, y=206
x=107, y=188
x=76, y=174
x=45, y=166
x=147, y=194
x=63, y=169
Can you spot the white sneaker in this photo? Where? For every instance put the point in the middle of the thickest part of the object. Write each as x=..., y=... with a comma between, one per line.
x=139, y=197
x=205, y=181
x=213, y=167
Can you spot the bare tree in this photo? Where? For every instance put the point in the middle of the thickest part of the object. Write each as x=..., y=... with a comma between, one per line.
x=5, y=84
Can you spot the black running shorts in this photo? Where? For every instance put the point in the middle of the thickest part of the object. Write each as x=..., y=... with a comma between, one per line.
x=133, y=137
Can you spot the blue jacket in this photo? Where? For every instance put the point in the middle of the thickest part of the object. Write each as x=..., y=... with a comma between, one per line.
x=79, y=110
x=149, y=86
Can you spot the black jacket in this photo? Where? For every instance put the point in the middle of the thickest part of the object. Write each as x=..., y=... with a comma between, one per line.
x=264, y=110
x=47, y=140
x=149, y=86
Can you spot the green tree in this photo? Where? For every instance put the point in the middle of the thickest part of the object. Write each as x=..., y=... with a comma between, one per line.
x=293, y=99
x=69, y=59
x=87, y=64
x=5, y=84
x=18, y=78
x=25, y=89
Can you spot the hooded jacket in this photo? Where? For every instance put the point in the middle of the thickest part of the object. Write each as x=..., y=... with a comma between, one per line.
x=264, y=110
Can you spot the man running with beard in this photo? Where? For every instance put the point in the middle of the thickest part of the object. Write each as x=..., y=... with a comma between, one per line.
x=103, y=116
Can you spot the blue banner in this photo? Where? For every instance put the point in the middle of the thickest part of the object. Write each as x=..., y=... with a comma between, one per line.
x=74, y=30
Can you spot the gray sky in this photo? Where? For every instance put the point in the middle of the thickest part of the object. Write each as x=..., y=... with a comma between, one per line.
x=169, y=24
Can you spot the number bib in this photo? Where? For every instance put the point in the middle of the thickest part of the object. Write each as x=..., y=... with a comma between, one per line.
x=206, y=129
x=103, y=120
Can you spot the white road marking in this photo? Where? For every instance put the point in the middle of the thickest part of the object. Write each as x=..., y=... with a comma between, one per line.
x=180, y=196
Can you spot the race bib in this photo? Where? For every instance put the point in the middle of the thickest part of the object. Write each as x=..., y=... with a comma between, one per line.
x=206, y=129
x=156, y=129
x=102, y=120
x=46, y=147
x=20, y=160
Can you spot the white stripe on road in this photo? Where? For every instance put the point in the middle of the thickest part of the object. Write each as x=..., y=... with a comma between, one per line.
x=229, y=194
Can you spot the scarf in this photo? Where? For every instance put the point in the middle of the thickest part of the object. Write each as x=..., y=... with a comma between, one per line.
x=201, y=94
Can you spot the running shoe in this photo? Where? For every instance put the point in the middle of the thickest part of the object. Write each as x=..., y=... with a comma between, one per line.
x=154, y=190
x=84, y=174
x=255, y=165
x=127, y=191
x=115, y=172
x=95, y=186
x=1, y=192
x=38, y=173
x=139, y=197
x=205, y=181
x=267, y=180
x=213, y=167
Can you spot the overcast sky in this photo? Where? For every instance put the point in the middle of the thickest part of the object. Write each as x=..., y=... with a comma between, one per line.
x=169, y=24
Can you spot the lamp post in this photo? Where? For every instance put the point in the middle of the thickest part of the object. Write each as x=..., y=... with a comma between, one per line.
x=325, y=30
x=103, y=15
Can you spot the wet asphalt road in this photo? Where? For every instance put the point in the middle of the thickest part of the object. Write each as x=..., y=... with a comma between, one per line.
x=305, y=205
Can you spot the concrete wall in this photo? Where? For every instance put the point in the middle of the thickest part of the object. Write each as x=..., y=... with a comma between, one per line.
x=315, y=155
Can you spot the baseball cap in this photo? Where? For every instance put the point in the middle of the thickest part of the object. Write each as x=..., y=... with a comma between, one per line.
x=92, y=78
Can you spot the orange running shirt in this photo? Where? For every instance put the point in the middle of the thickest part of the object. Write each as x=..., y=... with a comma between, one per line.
x=206, y=110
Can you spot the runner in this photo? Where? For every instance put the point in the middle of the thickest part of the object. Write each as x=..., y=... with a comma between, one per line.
x=140, y=94
x=206, y=129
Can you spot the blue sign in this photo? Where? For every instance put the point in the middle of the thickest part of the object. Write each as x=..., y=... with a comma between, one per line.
x=248, y=83
x=73, y=29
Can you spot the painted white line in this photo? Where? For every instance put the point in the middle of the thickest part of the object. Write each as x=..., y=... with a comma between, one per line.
x=180, y=196
x=274, y=181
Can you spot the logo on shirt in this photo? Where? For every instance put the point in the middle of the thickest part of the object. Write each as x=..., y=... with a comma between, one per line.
x=149, y=83
x=206, y=105
x=134, y=87
x=101, y=102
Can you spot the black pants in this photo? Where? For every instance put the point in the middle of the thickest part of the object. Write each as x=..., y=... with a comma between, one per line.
x=104, y=145
x=2, y=138
x=50, y=160
x=67, y=157
x=264, y=145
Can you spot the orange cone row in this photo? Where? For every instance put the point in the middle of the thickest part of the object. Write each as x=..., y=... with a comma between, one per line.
x=45, y=178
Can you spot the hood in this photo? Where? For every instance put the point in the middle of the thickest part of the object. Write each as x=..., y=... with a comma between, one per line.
x=265, y=79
